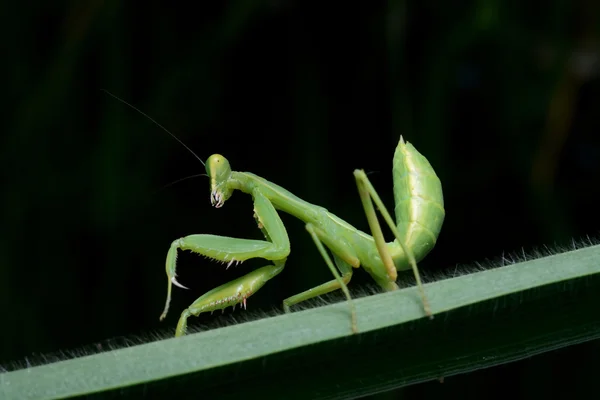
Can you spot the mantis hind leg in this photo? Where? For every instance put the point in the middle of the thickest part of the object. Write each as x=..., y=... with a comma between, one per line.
x=340, y=282
x=368, y=195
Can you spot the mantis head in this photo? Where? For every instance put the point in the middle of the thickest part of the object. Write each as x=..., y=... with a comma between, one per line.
x=219, y=172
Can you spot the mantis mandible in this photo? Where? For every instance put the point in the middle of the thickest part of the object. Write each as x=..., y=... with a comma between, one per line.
x=419, y=213
x=419, y=217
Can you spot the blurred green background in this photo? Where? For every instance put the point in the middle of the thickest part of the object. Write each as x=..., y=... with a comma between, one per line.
x=501, y=96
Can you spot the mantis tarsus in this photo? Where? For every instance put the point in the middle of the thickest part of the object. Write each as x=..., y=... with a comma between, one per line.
x=419, y=217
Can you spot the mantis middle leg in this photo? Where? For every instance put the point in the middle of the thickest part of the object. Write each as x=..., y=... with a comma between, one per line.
x=276, y=248
x=340, y=282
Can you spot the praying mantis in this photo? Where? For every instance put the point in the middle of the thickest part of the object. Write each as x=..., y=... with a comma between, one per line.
x=419, y=213
x=419, y=209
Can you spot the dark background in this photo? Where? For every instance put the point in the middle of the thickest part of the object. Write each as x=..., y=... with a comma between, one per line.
x=501, y=96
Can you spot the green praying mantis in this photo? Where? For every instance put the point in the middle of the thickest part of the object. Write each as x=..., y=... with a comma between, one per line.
x=419, y=217
x=419, y=213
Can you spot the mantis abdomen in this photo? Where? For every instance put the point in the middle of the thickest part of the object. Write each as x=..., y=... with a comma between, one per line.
x=419, y=202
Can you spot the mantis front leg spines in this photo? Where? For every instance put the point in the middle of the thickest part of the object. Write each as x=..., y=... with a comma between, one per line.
x=419, y=213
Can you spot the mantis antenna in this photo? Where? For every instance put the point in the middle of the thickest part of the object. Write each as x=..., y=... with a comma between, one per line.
x=180, y=180
x=157, y=124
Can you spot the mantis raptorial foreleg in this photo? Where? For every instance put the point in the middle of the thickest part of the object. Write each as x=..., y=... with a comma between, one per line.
x=232, y=250
x=368, y=195
x=229, y=294
x=339, y=282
